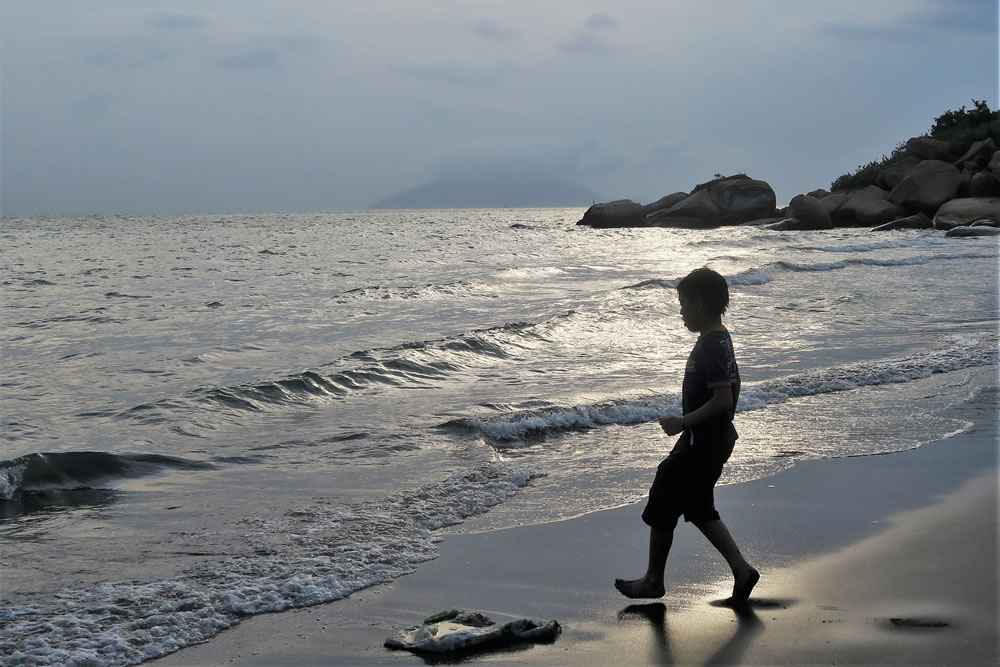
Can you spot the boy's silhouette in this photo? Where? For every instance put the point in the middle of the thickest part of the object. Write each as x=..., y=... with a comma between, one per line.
x=685, y=479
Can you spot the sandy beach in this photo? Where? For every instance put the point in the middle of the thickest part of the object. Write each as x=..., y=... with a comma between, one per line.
x=867, y=560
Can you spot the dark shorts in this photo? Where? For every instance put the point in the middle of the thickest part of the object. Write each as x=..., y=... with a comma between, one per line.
x=684, y=485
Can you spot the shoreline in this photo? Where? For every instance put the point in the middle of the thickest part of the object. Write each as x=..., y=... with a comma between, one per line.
x=844, y=546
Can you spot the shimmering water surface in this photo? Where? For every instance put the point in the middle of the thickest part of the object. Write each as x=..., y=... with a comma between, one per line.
x=211, y=416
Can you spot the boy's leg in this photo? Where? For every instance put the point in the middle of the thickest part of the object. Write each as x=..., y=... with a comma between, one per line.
x=745, y=574
x=651, y=584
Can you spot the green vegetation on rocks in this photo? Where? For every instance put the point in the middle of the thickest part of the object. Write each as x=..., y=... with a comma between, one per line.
x=960, y=128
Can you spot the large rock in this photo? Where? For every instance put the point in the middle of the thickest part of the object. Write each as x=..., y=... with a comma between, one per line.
x=698, y=205
x=979, y=154
x=664, y=202
x=618, y=213
x=819, y=194
x=890, y=177
x=742, y=199
x=960, y=212
x=810, y=213
x=715, y=181
x=867, y=208
x=918, y=221
x=930, y=184
x=994, y=165
x=928, y=148
x=965, y=185
x=834, y=202
x=984, y=184
x=973, y=231
x=872, y=191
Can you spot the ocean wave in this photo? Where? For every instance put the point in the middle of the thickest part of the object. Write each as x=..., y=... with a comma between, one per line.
x=878, y=261
x=883, y=245
x=512, y=429
x=460, y=288
x=330, y=554
x=70, y=470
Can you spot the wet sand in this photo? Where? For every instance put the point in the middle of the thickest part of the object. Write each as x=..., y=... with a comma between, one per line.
x=871, y=560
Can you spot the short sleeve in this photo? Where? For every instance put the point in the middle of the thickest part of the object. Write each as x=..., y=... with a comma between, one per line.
x=715, y=363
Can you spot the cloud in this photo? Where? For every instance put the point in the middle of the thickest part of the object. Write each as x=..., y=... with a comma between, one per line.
x=169, y=21
x=585, y=44
x=131, y=53
x=601, y=21
x=490, y=29
x=453, y=75
x=259, y=59
x=964, y=17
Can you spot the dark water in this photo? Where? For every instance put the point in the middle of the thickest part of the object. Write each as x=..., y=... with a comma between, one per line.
x=213, y=416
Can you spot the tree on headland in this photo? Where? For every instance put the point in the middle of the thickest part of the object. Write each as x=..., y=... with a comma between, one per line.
x=959, y=127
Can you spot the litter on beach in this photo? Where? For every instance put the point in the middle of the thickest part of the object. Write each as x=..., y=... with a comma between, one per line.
x=452, y=631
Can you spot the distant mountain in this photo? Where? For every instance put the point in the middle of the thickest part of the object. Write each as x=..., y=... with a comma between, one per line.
x=486, y=193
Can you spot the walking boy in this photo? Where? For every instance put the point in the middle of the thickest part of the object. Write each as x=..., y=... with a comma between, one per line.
x=685, y=479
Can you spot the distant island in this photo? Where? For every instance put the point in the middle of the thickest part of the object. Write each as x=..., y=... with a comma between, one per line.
x=490, y=193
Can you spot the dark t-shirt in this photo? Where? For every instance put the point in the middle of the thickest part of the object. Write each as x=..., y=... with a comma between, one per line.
x=711, y=363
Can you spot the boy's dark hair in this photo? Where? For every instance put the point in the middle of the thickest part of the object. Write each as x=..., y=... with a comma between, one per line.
x=707, y=285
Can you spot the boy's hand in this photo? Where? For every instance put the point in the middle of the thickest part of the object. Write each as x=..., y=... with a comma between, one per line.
x=671, y=425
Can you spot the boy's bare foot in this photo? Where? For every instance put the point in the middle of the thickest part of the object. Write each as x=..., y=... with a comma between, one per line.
x=639, y=588
x=744, y=584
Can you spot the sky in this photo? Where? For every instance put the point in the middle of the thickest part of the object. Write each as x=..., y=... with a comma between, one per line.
x=250, y=105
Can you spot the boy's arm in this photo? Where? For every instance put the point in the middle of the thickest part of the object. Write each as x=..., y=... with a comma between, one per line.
x=720, y=403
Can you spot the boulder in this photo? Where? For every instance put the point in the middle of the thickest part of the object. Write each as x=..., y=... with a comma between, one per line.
x=994, y=165
x=965, y=185
x=698, y=205
x=918, y=221
x=708, y=184
x=834, y=202
x=741, y=199
x=664, y=202
x=979, y=153
x=618, y=213
x=984, y=184
x=928, y=148
x=973, y=231
x=867, y=209
x=960, y=212
x=819, y=194
x=930, y=184
x=872, y=191
x=890, y=177
x=810, y=213
x=985, y=222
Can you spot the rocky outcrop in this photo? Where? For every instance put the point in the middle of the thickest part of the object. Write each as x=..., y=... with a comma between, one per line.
x=930, y=184
x=978, y=155
x=741, y=199
x=867, y=208
x=962, y=212
x=890, y=177
x=928, y=148
x=697, y=205
x=664, y=203
x=984, y=184
x=810, y=213
x=832, y=203
x=819, y=194
x=973, y=231
x=918, y=221
x=618, y=213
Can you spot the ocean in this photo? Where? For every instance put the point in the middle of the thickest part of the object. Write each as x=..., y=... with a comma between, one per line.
x=207, y=417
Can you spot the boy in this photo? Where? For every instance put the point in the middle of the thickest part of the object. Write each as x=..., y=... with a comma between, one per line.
x=685, y=479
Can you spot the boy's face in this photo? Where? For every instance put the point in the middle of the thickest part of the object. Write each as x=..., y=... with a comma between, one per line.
x=691, y=312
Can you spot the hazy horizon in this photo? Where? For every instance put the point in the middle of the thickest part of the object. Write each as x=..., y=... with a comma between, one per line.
x=113, y=107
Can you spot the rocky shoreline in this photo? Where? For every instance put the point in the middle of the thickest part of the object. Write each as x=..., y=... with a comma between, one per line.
x=927, y=188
